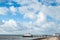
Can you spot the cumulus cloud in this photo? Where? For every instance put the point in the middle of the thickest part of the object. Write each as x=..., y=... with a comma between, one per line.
x=52, y=11
x=28, y=27
x=41, y=17
x=32, y=7
x=30, y=16
x=40, y=24
x=36, y=25
x=58, y=1
x=13, y=10
x=9, y=26
x=3, y=10
x=50, y=27
x=45, y=28
x=33, y=10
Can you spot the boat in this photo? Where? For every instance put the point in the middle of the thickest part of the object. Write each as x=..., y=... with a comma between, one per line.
x=27, y=35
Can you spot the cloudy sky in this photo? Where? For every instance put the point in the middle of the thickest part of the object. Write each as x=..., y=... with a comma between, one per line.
x=29, y=16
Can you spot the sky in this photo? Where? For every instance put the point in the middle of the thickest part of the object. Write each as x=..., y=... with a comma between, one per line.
x=29, y=16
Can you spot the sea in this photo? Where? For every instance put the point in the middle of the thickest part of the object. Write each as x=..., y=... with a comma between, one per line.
x=16, y=38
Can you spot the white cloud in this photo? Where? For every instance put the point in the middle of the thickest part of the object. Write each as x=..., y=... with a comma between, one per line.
x=50, y=27
x=13, y=10
x=29, y=27
x=52, y=11
x=30, y=15
x=32, y=7
x=3, y=10
x=40, y=23
x=35, y=6
x=47, y=27
x=23, y=10
x=58, y=1
x=41, y=17
x=10, y=25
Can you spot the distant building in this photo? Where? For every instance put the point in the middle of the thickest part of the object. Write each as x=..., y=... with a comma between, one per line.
x=56, y=34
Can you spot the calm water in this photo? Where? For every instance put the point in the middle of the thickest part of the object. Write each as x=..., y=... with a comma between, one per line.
x=25, y=38
x=16, y=38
